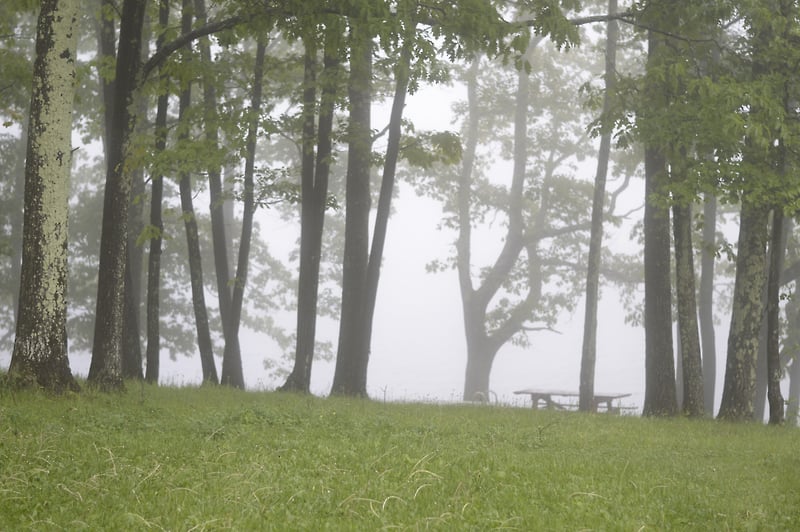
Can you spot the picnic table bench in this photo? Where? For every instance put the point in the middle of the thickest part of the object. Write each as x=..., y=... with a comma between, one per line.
x=546, y=397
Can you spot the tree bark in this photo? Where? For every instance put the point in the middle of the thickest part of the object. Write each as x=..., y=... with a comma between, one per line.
x=218, y=234
x=402, y=72
x=777, y=253
x=350, y=376
x=314, y=190
x=153, y=352
x=688, y=333
x=706, y=303
x=660, y=396
x=204, y=343
x=748, y=305
x=105, y=370
x=232, y=374
x=40, y=346
x=589, y=348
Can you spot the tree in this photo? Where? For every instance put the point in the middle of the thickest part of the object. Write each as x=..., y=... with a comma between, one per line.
x=314, y=191
x=40, y=346
x=589, y=348
x=350, y=377
x=105, y=371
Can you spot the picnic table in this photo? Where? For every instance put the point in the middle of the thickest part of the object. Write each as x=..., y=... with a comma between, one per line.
x=554, y=399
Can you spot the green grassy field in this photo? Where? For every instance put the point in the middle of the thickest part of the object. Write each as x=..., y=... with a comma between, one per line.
x=212, y=459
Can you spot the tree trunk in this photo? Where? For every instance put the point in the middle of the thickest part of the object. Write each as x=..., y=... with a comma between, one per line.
x=387, y=189
x=748, y=304
x=204, y=343
x=218, y=235
x=589, y=348
x=706, y=303
x=688, y=334
x=105, y=370
x=40, y=346
x=660, y=396
x=350, y=377
x=480, y=358
x=314, y=199
x=232, y=374
x=153, y=354
x=774, y=367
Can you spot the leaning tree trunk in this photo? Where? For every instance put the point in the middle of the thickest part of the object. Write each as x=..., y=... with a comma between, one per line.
x=350, y=376
x=387, y=189
x=688, y=333
x=589, y=348
x=40, y=346
x=748, y=304
x=232, y=373
x=105, y=370
x=706, y=303
x=480, y=358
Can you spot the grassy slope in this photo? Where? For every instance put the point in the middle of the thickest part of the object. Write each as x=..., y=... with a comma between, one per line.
x=218, y=459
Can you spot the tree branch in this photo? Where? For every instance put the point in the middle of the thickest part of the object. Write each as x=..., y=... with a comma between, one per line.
x=171, y=47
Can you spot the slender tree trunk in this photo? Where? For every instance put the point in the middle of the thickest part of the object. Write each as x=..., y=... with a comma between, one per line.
x=688, y=333
x=232, y=374
x=105, y=370
x=589, y=349
x=748, y=304
x=153, y=353
x=706, y=303
x=204, y=343
x=40, y=346
x=350, y=376
x=315, y=194
x=218, y=235
x=774, y=366
x=387, y=190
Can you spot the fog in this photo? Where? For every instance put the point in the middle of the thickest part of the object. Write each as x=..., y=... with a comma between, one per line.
x=419, y=348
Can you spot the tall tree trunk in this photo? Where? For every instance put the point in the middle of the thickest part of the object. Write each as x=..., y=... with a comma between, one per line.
x=748, y=304
x=475, y=302
x=350, y=376
x=218, y=234
x=232, y=374
x=688, y=333
x=204, y=343
x=589, y=348
x=387, y=189
x=660, y=396
x=706, y=303
x=774, y=367
x=40, y=346
x=314, y=190
x=153, y=353
x=105, y=370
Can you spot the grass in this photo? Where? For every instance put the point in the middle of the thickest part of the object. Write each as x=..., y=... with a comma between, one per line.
x=215, y=459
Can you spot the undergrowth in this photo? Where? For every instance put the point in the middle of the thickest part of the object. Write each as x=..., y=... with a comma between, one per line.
x=213, y=459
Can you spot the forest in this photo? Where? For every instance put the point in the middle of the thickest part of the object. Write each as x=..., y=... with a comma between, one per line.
x=150, y=149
